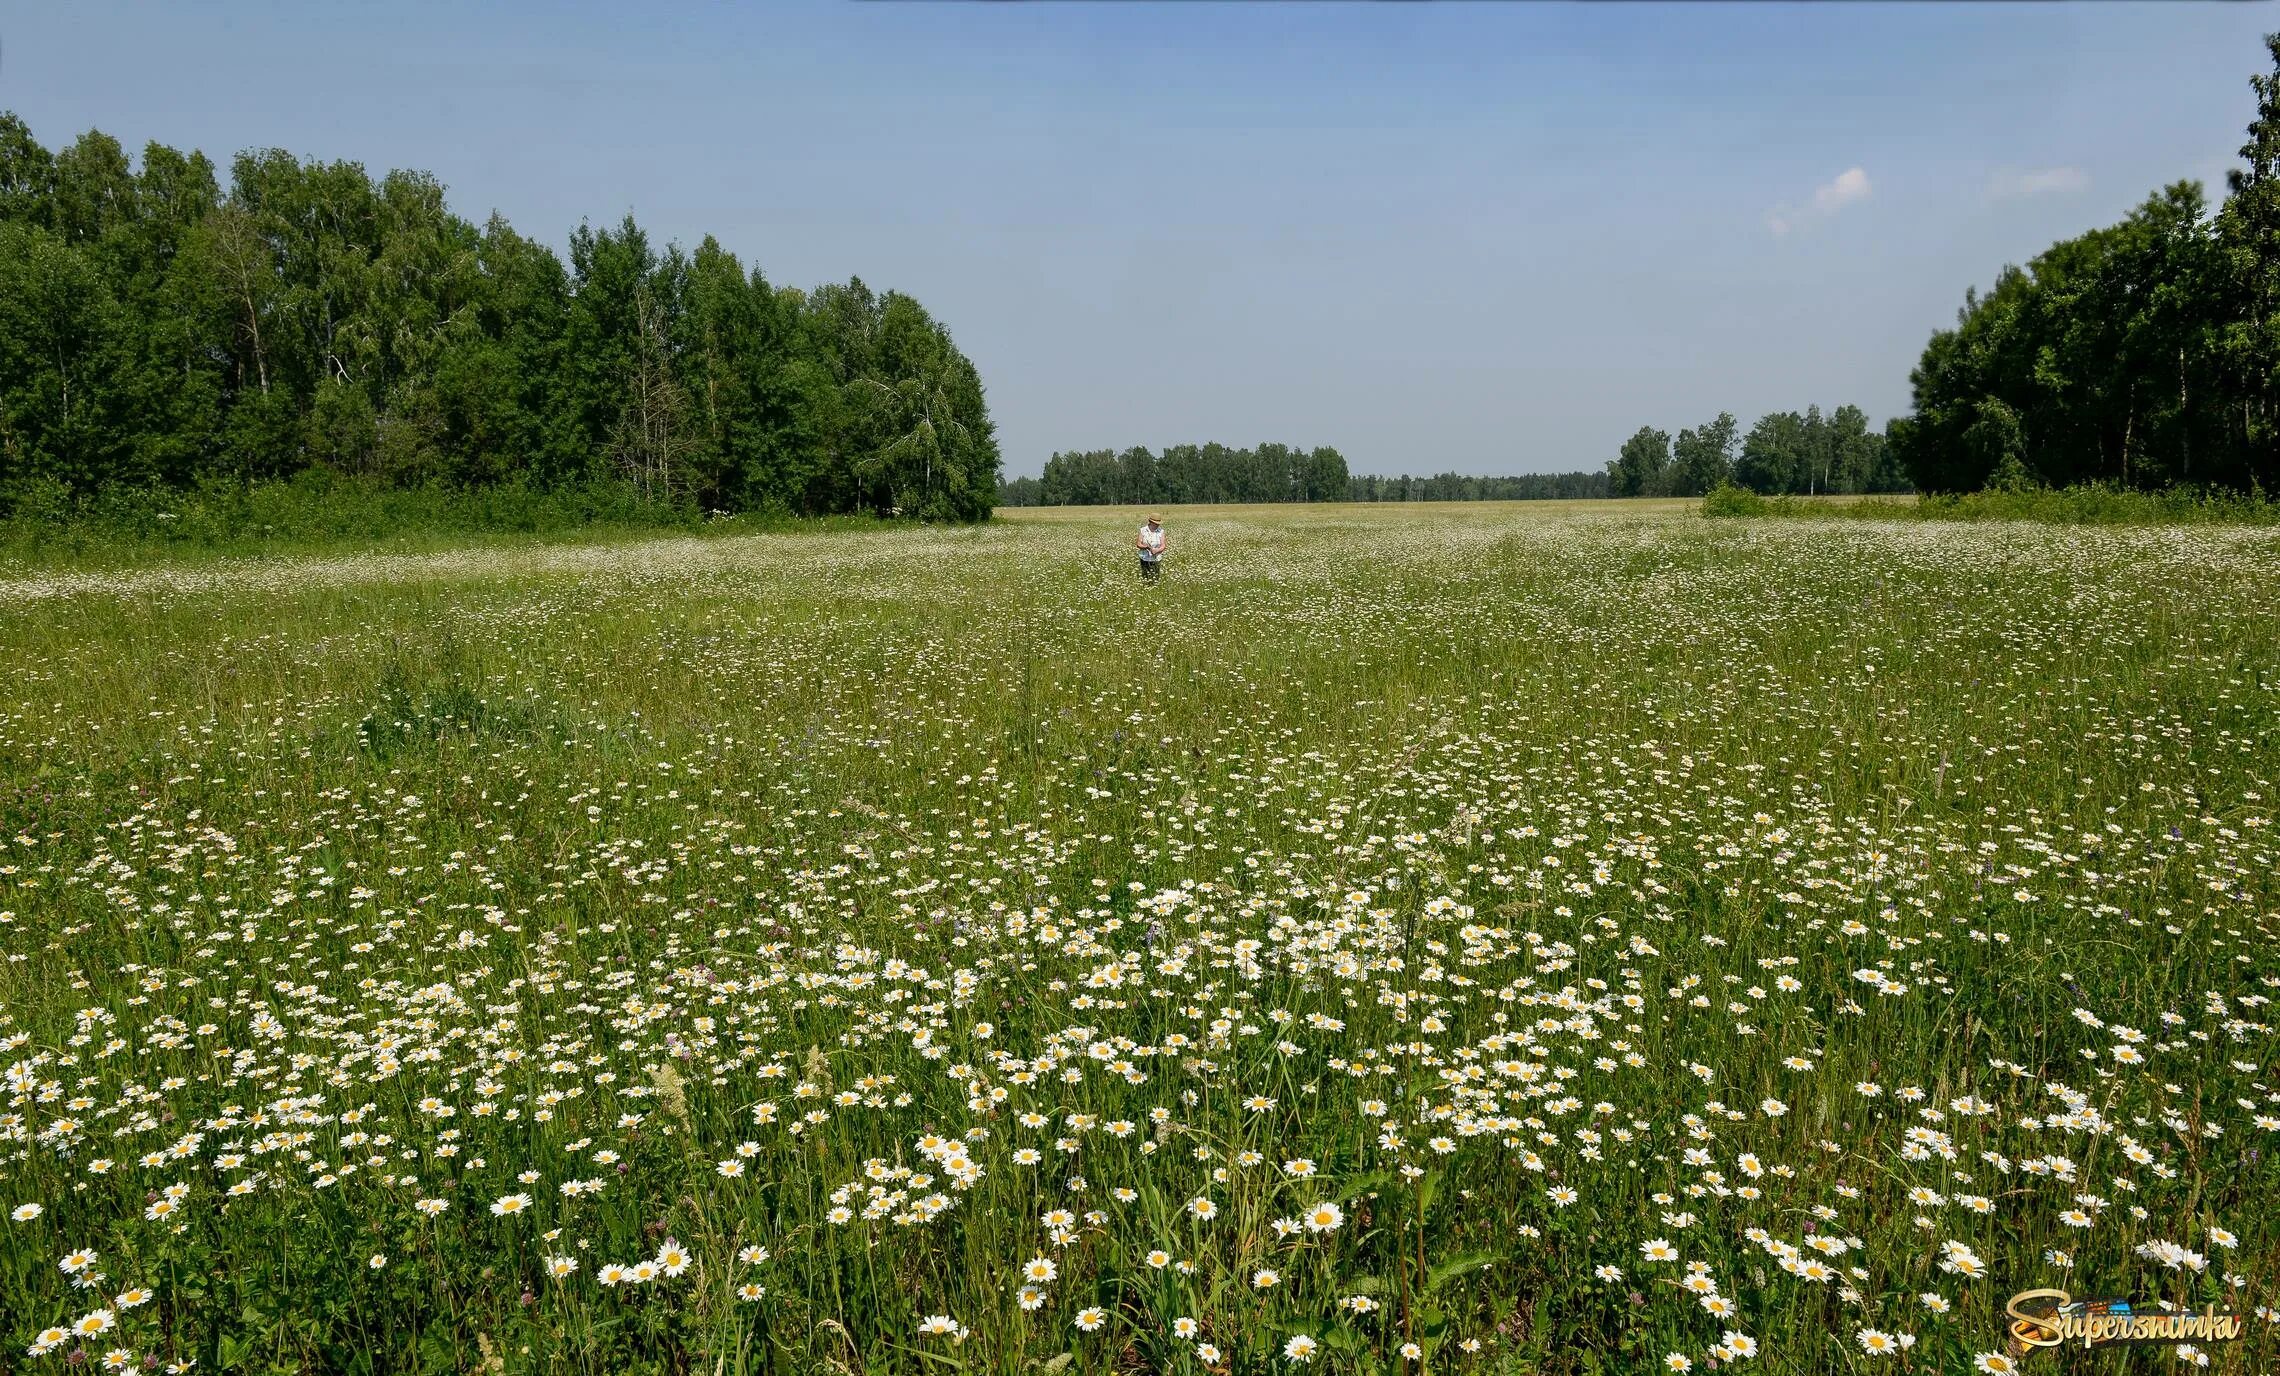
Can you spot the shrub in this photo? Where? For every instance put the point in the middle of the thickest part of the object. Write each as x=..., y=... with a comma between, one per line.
x=1726, y=499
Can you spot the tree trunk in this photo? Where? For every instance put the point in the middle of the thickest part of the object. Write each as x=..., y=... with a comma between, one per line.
x=2184, y=422
x=253, y=327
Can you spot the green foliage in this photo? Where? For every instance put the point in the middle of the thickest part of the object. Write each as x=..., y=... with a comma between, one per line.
x=1702, y=459
x=1270, y=473
x=1730, y=499
x=158, y=331
x=1783, y=454
x=417, y=704
x=318, y=510
x=1642, y=468
x=1465, y=487
x=2095, y=504
x=2143, y=355
x=1188, y=473
x=2086, y=504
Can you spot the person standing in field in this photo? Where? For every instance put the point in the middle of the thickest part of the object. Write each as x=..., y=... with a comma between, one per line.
x=1151, y=546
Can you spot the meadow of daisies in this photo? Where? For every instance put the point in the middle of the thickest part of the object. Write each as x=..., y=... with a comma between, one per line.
x=1578, y=939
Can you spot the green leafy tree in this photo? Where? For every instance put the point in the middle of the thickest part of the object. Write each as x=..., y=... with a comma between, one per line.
x=158, y=330
x=1702, y=459
x=1776, y=454
x=2144, y=354
x=1642, y=467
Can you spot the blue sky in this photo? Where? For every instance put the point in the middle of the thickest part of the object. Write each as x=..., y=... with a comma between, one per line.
x=1483, y=237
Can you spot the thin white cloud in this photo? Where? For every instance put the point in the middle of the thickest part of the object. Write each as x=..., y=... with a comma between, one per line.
x=1846, y=188
x=1850, y=185
x=2041, y=181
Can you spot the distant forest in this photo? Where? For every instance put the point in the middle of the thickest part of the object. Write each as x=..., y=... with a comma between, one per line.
x=158, y=330
x=1464, y=487
x=1783, y=453
x=1267, y=473
x=1184, y=473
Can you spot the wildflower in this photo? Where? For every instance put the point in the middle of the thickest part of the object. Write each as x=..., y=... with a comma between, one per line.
x=1039, y=1270
x=1031, y=1297
x=510, y=1204
x=1090, y=1320
x=25, y=1213
x=1325, y=1218
x=1677, y=1361
x=672, y=1257
x=378, y=1261
x=133, y=1298
x=1300, y=1348
x=2173, y=1256
x=1202, y=1208
x=1264, y=1279
x=940, y=1326
x=560, y=1268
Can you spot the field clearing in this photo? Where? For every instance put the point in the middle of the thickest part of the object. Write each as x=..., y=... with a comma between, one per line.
x=1564, y=937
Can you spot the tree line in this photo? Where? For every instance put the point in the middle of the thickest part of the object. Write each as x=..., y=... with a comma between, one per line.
x=1783, y=454
x=1183, y=473
x=2143, y=355
x=1268, y=473
x=1466, y=487
x=159, y=331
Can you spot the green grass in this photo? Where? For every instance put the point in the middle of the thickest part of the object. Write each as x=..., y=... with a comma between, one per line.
x=320, y=513
x=2091, y=504
x=1535, y=883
